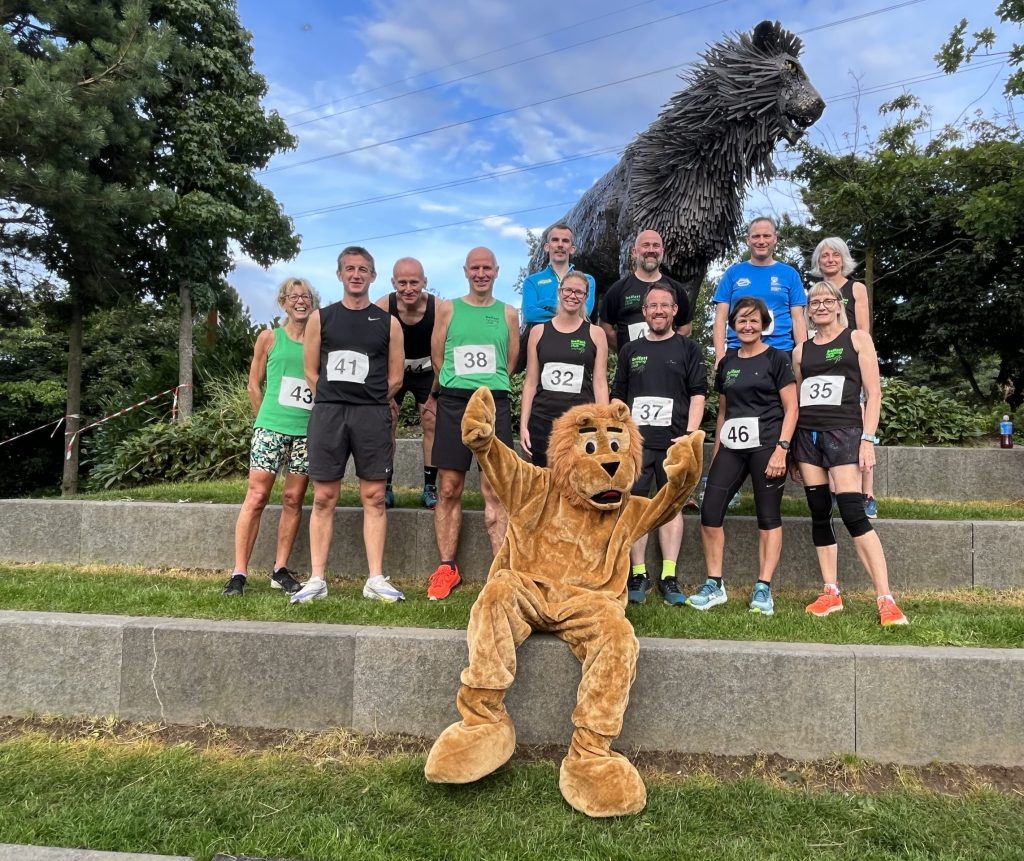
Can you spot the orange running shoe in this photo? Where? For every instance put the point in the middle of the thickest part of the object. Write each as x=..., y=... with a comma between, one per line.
x=442, y=581
x=827, y=602
x=889, y=613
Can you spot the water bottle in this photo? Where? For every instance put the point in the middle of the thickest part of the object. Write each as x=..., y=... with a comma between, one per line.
x=1006, y=433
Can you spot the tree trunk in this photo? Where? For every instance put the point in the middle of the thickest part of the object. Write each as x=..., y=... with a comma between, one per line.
x=968, y=371
x=185, y=352
x=73, y=408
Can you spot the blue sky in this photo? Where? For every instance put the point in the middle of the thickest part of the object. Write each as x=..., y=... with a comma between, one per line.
x=346, y=82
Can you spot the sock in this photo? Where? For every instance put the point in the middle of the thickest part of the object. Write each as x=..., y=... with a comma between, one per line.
x=765, y=582
x=882, y=598
x=241, y=574
x=832, y=587
x=668, y=569
x=430, y=475
x=717, y=581
x=450, y=562
x=640, y=569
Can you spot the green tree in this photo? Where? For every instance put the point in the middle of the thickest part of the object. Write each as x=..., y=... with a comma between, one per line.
x=958, y=50
x=940, y=229
x=211, y=134
x=73, y=149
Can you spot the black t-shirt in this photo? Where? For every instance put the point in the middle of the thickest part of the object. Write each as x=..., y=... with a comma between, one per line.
x=753, y=408
x=353, y=355
x=623, y=303
x=416, y=337
x=830, y=384
x=566, y=370
x=657, y=379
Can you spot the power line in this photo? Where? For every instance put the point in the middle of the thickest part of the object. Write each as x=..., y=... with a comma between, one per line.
x=439, y=226
x=469, y=59
x=511, y=63
x=549, y=100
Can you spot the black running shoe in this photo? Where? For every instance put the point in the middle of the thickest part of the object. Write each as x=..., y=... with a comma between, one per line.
x=235, y=587
x=637, y=588
x=282, y=579
x=669, y=588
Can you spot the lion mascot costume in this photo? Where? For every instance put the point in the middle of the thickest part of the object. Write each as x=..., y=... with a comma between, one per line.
x=562, y=569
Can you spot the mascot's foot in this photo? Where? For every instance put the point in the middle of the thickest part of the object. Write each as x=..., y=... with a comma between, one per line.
x=600, y=784
x=464, y=753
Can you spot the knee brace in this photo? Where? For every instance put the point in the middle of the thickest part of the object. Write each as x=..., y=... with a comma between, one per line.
x=819, y=500
x=851, y=509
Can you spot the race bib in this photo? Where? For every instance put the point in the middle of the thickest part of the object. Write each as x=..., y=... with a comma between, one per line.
x=295, y=393
x=654, y=412
x=821, y=391
x=347, y=366
x=741, y=433
x=637, y=330
x=475, y=359
x=417, y=366
x=560, y=377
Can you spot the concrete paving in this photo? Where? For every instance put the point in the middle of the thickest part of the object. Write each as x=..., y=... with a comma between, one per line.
x=922, y=554
x=13, y=852
x=805, y=701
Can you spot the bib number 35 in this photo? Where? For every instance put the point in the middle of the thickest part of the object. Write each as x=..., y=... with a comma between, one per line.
x=821, y=391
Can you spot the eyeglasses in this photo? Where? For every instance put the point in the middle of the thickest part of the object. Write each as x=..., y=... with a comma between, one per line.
x=661, y=306
x=568, y=291
x=822, y=303
x=299, y=297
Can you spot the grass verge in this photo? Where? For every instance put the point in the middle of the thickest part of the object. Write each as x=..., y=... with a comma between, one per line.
x=313, y=798
x=957, y=618
x=232, y=492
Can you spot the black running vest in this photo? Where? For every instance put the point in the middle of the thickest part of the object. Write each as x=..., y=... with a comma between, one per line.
x=353, y=355
x=831, y=384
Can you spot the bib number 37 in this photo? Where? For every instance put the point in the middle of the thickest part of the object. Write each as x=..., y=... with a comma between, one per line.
x=653, y=412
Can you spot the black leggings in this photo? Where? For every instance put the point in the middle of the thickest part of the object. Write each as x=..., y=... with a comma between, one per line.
x=728, y=471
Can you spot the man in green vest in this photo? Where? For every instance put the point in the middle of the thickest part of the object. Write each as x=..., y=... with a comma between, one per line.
x=475, y=343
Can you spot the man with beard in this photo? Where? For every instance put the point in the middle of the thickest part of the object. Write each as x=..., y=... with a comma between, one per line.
x=662, y=378
x=622, y=316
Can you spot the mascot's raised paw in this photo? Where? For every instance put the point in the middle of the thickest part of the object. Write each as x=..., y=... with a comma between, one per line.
x=478, y=420
x=684, y=460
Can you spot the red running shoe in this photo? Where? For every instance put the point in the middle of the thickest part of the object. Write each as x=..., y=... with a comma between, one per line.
x=442, y=581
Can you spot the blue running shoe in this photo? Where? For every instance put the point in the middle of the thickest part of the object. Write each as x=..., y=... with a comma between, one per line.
x=670, y=591
x=429, y=496
x=389, y=497
x=870, y=507
x=637, y=588
x=709, y=595
x=737, y=498
x=761, y=601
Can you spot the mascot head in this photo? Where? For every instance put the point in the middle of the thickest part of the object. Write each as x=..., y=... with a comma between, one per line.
x=595, y=455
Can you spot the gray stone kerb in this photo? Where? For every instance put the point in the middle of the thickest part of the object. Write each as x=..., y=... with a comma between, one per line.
x=16, y=852
x=922, y=554
x=897, y=704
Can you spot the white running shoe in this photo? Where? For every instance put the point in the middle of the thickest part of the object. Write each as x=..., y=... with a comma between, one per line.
x=379, y=588
x=313, y=590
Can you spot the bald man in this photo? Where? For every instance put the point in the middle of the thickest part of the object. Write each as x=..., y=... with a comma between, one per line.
x=413, y=307
x=475, y=344
x=622, y=316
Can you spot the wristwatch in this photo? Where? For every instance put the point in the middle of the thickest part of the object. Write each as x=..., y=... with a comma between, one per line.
x=868, y=437
x=783, y=444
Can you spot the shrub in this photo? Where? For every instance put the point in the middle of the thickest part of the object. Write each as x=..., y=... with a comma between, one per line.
x=916, y=415
x=215, y=444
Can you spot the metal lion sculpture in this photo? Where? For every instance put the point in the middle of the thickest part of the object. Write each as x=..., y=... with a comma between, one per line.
x=686, y=176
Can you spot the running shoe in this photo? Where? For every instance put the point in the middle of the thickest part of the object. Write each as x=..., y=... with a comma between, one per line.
x=429, y=496
x=870, y=507
x=282, y=579
x=761, y=601
x=442, y=581
x=709, y=595
x=379, y=588
x=890, y=614
x=312, y=591
x=827, y=602
x=637, y=588
x=670, y=591
x=235, y=587
x=691, y=504
x=389, y=497
x=737, y=498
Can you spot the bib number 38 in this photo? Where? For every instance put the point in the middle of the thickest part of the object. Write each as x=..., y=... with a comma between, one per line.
x=475, y=359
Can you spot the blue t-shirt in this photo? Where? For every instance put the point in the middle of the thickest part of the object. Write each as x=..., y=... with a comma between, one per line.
x=540, y=296
x=780, y=288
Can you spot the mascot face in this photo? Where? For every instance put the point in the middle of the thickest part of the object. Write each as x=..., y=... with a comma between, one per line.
x=595, y=455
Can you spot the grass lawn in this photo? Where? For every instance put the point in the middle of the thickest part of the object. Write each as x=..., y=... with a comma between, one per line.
x=314, y=797
x=956, y=618
x=232, y=492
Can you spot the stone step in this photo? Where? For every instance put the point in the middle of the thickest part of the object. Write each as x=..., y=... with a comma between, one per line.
x=906, y=704
x=922, y=554
x=957, y=474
